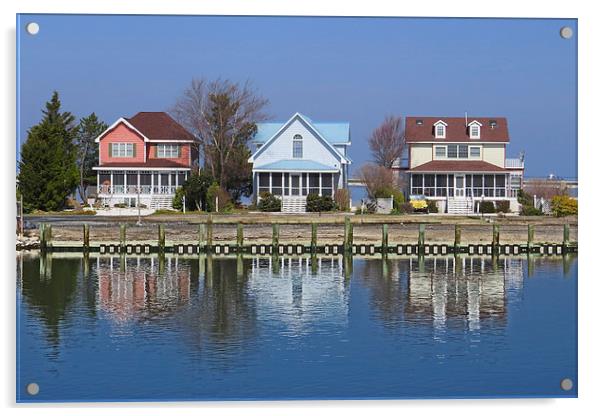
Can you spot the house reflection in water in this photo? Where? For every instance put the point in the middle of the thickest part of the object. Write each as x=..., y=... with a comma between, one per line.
x=128, y=287
x=463, y=291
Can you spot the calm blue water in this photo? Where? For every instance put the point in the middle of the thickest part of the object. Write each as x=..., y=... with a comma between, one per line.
x=188, y=329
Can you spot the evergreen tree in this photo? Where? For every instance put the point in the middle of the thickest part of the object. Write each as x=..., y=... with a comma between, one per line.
x=87, y=151
x=47, y=171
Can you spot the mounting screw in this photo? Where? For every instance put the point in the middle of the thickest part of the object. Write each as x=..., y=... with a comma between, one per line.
x=566, y=32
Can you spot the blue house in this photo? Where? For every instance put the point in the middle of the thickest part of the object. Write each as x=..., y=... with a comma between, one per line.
x=299, y=157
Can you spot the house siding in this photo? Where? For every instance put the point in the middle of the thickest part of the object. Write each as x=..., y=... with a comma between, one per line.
x=121, y=134
x=185, y=153
x=494, y=154
x=420, y=154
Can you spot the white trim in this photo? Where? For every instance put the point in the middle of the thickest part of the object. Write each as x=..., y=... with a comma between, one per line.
x=127, y=123
x=476, y=124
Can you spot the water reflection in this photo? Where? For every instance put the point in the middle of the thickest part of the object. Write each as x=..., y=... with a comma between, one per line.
x=221, y=300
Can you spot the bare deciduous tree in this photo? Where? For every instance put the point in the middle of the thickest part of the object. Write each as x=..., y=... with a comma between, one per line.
x=546, y=188
x=387, y=142
x=223, y=116
x=379, y=180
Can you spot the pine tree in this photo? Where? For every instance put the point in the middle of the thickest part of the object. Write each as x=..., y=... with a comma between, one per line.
x=87, y=151
x=47, y=171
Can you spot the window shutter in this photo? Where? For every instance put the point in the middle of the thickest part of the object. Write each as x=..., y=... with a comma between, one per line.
x=133, y=149
x=110, y=149
x=156, y=150
x=179, y=150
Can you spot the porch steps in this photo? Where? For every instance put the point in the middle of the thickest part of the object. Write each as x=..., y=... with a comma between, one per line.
x=161, y=202
x=460, y=206
x=293, y=204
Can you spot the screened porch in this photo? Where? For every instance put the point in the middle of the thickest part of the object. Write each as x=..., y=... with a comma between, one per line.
x=297, y=183
x=144, y=182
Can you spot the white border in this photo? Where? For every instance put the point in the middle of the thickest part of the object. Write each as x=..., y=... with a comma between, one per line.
x=590, y=287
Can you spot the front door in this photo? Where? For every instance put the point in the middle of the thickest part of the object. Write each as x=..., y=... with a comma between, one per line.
x=295, y=184
x=459, y=186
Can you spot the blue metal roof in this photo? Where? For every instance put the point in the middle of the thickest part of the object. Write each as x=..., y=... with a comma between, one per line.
x=335, y=133
x=296, y=165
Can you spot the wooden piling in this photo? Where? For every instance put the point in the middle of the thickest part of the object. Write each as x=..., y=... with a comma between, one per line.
x=275, y=238
x=86, y=237
x=566, y=236
x=161, y=238
x=530, y=234
x=47, y=236
x=496, y=237
x=239, y=236
x=202, y=235
x=421, y=228
x=42, y=237
x=457, y=237
x=385, y=240
x=209, y=232
x=348, y=236
x=314, y=237
x=122, y=237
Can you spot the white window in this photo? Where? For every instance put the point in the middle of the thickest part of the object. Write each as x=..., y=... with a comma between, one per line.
x=440, y=151
x=475, y=152
x=297, y=146
x=440, y=131
x=122, y=150
x=168, y=151
x=457, y=151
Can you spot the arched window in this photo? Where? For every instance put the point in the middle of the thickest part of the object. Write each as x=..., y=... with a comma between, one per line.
x=297, y=146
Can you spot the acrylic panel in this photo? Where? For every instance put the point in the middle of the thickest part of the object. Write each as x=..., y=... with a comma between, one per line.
x=313, y=208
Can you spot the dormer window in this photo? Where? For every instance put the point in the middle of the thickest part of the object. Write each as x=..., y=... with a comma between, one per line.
x=440, y=128
x=474, y=129
x=492, y=124
x=419, y=122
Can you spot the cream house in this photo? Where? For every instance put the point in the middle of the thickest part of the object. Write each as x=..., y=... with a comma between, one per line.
x=457, y=161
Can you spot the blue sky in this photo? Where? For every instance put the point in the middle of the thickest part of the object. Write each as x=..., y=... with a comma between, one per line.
x=332, y=69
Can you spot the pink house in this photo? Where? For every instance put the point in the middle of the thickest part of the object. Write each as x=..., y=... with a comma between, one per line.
x=144, y=157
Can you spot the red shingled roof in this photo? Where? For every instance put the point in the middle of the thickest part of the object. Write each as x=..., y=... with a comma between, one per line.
x=457, y=166
x=456, y=130
x=151, y=163
x=157, y=125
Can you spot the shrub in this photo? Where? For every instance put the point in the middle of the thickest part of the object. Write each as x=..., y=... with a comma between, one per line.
x=405, y=208
x=341, y=198
x=178, y=200
x=524, y=198
x=317, y=203
x=432, y=206
x=223, y=199
x=164, y=212
x=269, y=203
x=563, y=205
x=530, y=210
x=486, y=207
x=120, y=205
x=502, y=206
x=398, y=199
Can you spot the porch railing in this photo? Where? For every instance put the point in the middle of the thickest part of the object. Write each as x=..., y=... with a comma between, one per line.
x=514, y=163
x=133, y=189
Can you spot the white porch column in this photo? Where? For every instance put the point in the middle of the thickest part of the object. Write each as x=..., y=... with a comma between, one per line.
x=270, y=186
x=283, y=185
x=152, y=190
x=98, y=184
x=320, y=184
x=177, y=179
x=169, y=181
x=307, y=183
x=125, y=181
x=138, y=182
x=332, y=185
x=159, y=181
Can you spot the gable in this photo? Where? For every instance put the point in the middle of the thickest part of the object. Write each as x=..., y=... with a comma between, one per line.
x=284, y=137
x=120, y=132
x=280, y=146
